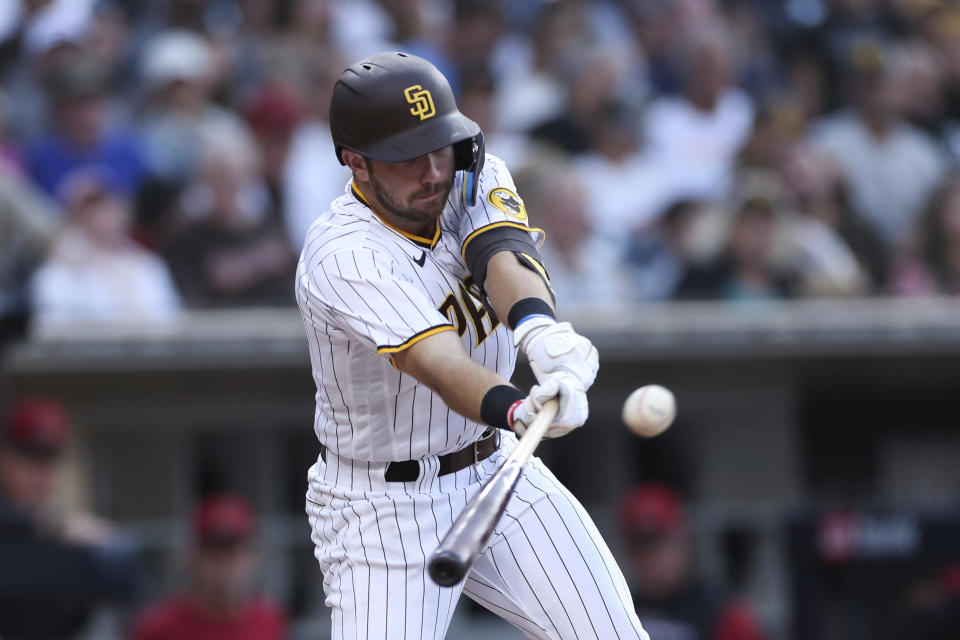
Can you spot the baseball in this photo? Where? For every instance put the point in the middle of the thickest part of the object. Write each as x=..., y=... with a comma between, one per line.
x=649, y=410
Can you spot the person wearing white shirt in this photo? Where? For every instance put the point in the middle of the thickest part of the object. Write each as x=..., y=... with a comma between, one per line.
x=889, y=166
x=696, y=136
x=95, y=271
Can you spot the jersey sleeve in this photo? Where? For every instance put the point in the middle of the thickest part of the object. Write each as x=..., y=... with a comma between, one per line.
x=498, y=207
x=363, y=294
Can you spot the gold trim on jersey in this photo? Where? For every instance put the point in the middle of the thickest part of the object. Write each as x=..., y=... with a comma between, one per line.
x=412, y=340
x=476, y=232
x=536, y=264
x=427, y=243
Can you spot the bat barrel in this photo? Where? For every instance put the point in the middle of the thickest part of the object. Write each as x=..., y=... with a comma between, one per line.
x=461, y=546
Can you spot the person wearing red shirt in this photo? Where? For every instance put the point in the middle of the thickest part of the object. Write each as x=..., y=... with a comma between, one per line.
x=670, y=598
x=219, y=605
x=59, y=567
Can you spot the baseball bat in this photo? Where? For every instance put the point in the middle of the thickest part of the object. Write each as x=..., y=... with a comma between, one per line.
x=461, y=546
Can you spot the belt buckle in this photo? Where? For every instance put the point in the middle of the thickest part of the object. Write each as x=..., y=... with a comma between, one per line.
x=476, y=452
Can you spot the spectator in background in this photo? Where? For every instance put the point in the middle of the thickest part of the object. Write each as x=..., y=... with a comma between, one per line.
x=419, y=28
x=12, y=161
x=108, y=42
x=592, y=86
x=656, y=27
x=273, y=116
x=917, y=86
x=232, y=249
x=293, y=52
x=476, y=35
x=27, y=223
x=944, y=31
x=845, y=23
x=585, y=270
x=672, y=600
x=876, y=150
x=627, y=187
x=237, y=56
x=697, y=135
x=836, y=250
x=220, y=602
x=313, y=176
x=657, y=255
x=36, y=38
x=58, y=566
x=532, y=92
x=95, y=271
x=82, y=136
x=933, y=265
x=181, y=122
x=841, y=254
x=746, y=268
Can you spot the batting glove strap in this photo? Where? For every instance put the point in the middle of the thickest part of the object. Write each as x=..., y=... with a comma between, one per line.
x=554, y=347
x=571, y=413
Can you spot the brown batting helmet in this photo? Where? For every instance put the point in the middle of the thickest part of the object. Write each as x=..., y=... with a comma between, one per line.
x=395, y=106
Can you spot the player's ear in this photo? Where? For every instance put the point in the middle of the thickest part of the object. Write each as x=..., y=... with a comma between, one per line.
x=356, y=163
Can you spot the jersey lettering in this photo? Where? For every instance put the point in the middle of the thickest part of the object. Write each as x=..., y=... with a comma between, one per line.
x=454, y=310
x=454, y=313
x=477, y=311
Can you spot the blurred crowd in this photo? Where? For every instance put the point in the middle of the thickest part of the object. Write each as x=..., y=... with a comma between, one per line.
x=69, y=574
x=161, y=155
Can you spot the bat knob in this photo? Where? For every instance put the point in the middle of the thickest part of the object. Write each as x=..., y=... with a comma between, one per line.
x=446, y=568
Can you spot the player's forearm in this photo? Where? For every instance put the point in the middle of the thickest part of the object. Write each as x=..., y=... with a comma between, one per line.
x=441, y=363
x=463, y=387
x=508, y=281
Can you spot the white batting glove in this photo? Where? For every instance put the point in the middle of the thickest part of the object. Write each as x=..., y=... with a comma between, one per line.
x=552, y=347
x=572, y=412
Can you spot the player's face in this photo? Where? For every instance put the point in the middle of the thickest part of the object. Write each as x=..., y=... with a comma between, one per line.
x=414, y=190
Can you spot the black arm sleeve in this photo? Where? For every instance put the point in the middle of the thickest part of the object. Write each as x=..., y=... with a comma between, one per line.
x=483, y=247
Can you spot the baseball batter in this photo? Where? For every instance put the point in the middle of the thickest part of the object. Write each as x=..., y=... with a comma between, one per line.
x=416, y=288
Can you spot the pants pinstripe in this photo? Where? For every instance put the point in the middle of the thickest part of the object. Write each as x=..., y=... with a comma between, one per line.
x=546, y=569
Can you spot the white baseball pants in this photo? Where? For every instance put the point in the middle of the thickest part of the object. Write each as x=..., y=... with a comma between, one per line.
x=546, y=569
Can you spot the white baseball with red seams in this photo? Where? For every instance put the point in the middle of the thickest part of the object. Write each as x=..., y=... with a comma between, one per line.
x=649, y=410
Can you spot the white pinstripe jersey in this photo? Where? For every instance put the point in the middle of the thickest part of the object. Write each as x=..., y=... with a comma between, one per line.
x=367, y=290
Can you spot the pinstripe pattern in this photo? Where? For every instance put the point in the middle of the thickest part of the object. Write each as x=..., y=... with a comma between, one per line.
x=546, y=569
x=364, y=292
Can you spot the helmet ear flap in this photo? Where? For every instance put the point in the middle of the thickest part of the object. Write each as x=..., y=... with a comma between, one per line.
x=468, y=156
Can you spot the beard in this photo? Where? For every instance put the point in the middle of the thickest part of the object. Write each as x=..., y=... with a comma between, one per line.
x=406, y=211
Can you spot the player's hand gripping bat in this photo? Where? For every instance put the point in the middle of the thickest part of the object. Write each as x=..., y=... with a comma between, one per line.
x=461, y=546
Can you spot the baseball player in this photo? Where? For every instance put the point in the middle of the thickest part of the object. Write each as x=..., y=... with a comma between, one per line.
x=416, y=288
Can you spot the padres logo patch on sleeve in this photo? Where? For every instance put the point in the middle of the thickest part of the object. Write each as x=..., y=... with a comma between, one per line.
x=421, y=100
x=508, y=202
